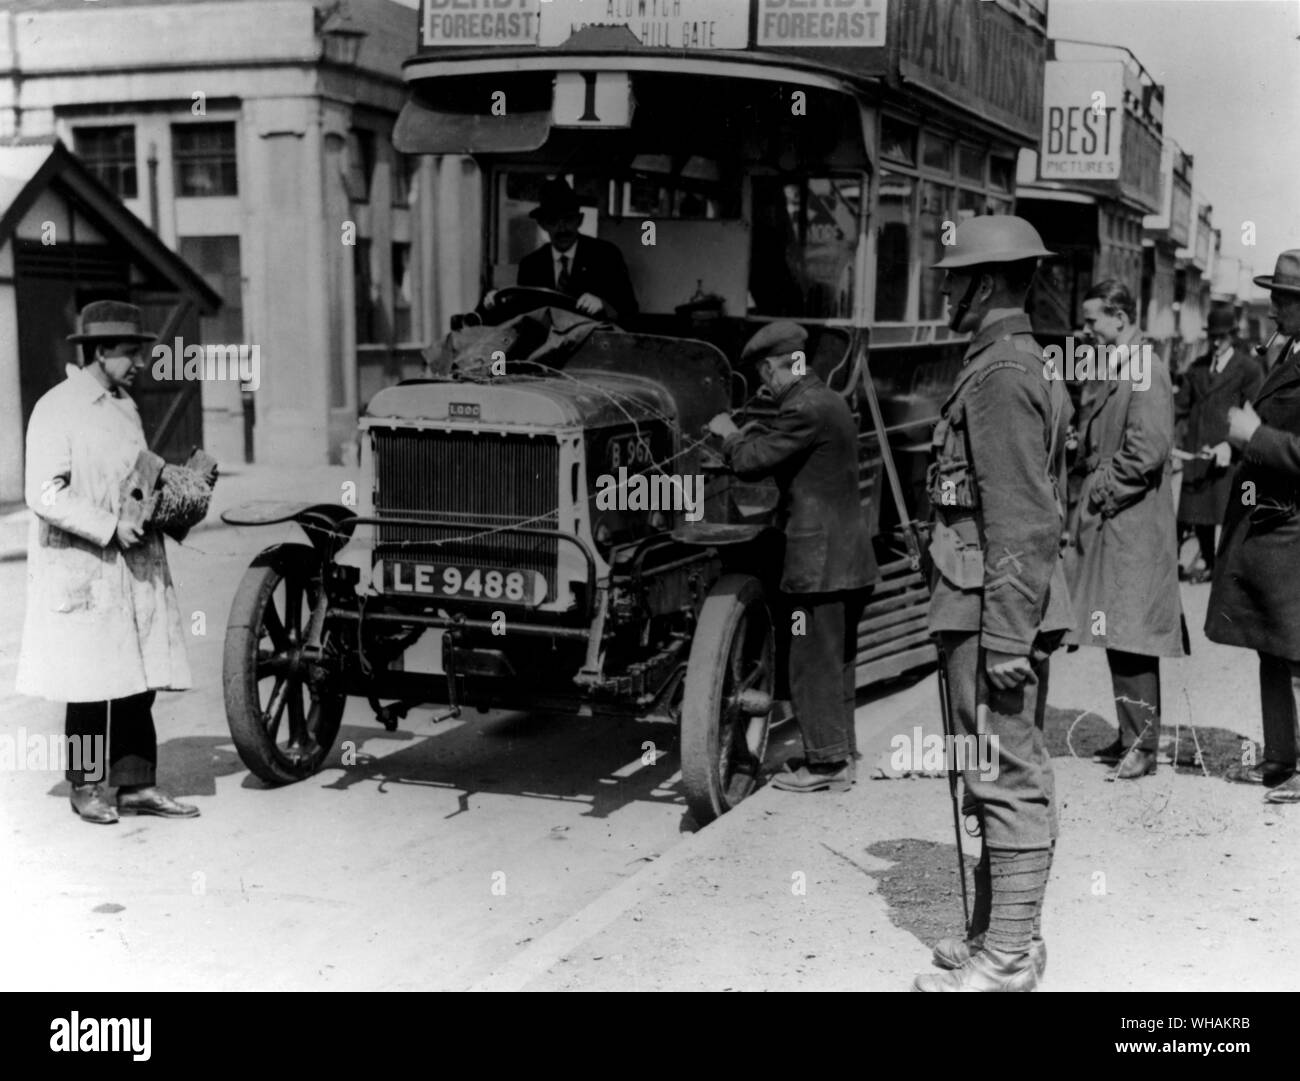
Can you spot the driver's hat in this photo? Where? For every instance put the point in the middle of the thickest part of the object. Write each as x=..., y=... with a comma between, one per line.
x=558, y=200
x=776, y=339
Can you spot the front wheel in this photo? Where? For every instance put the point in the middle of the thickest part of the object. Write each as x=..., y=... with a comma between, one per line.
x=281, y=714
x=727, y=699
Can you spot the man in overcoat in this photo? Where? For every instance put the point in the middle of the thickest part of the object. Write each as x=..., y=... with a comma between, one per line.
x=1228, y=375
x=999, y=605
x=1255, y=596
x=810, y=448
x=102, y=630
x=1124, y=579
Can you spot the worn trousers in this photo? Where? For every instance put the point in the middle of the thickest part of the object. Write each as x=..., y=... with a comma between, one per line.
x=820, y=640
x=1015, y=799
x=1135, y=679
x=1279, y=689
x=125, y=725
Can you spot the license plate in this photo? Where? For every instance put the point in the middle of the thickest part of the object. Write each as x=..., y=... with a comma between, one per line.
x=459, y=582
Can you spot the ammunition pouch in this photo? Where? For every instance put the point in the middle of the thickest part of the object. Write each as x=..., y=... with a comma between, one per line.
x=956, y=553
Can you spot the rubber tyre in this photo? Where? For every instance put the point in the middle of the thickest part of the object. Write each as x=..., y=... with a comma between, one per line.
x=733, y=648
x=313, y=724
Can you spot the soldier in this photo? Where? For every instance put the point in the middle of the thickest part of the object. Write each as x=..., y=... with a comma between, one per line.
x=998, y=603
x=1255, y=597
x=1125, y=580
x=811, y=448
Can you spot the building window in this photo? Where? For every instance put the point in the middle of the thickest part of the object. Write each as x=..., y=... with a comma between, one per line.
x=109, y=153
x=402, y=293
x=216, y=258
x=205, y=160
x=365, y=294
x=361, y=164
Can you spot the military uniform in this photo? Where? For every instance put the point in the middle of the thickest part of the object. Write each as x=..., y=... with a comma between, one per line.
x=810, y=448
x=998, y=580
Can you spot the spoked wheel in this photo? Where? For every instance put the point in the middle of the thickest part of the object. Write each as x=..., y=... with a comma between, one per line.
x=727, y=699
x=282, y=719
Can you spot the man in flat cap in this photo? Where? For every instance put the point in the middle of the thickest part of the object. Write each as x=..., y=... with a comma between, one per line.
x=1255, y=595
x=102, y=630
x=811, y=449
x=590, y=270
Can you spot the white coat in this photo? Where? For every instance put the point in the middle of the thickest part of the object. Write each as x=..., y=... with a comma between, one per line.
x=101, y=622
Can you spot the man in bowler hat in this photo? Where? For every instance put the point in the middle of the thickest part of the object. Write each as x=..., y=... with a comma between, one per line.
x=811, y=449
x=590, y=270
x=1255, y=596
x=1228, y=375
x=102, y=630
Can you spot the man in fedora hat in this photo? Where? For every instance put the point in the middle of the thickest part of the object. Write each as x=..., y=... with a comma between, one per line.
x=1255, y=596
x=1228, y=375
x=102, y=630
x=590, y=270
x=810, y=448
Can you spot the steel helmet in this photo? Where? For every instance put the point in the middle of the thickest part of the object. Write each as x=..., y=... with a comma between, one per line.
x=993, y=238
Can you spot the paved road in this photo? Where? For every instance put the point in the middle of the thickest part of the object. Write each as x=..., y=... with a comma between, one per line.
x=441, y=852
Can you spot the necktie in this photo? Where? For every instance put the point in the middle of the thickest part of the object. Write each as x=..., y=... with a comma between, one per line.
x=562, y=280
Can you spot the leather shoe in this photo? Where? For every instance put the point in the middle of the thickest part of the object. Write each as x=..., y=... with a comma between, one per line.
x=90, y=801
x=1287, y=792
x=988, y=970
x=1109, y=756
x=1266, y=773
x=806, y=779
x=154, y=801
x=955, y=952
x=1137, y=763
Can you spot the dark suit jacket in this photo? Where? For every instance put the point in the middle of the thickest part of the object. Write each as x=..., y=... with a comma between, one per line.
x=1255, y=599
x=598, y=269
x=811, y=449
x=1202, y=402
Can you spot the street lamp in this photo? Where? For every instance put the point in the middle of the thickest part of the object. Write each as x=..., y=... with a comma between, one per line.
x=340, y=37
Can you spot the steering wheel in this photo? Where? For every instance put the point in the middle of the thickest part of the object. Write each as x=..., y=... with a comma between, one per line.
x=514, y=299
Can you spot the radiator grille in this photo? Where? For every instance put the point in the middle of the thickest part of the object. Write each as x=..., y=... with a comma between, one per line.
x=482, y=481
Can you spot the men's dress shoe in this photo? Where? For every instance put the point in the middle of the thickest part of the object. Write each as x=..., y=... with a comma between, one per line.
x=1286, y=792
x=1137, y=763
x=955, y=952
x=1266, y=773
x=987, y=970
x=92, y=803
x=154, y=801
x=1112, y=754
x=806, y=779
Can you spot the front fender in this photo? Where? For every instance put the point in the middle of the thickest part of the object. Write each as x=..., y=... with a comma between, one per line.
x=328, y=526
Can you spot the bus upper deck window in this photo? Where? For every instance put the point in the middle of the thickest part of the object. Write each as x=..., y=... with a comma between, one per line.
x=893, y=246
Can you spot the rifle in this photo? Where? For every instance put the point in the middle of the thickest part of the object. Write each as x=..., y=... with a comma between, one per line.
x=918, y=558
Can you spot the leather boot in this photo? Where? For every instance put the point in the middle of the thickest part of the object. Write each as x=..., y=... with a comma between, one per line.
x=988, y=970
x=955, y=952
x=91, y=802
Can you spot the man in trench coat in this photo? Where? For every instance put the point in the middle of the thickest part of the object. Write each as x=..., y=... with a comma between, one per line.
x=810, y=448
x=1124, y=579
x=1255, y=597
x=102, y=630
x=1228, y=375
